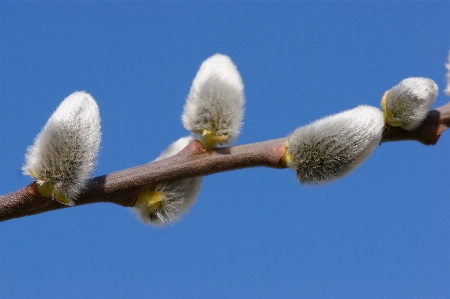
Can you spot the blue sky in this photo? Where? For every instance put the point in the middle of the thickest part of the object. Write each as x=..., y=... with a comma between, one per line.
x=381, y=232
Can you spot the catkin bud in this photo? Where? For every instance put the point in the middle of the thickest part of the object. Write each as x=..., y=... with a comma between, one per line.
x=406, y=105
x=214, y=106
x=447, y=65
x=331, y=147
x=166, y=202
x=64, y=154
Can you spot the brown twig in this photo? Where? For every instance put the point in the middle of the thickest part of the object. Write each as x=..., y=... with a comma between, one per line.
x=195, y=160
x=428, y=133
x=120, y=187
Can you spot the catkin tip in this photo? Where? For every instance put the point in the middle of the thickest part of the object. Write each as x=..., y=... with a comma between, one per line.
x=447, y=65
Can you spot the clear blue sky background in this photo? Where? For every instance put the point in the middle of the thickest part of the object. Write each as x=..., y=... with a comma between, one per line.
x=381, y=232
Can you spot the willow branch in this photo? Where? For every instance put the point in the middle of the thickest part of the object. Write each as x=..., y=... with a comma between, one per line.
x=120, y=187
x=195, y=160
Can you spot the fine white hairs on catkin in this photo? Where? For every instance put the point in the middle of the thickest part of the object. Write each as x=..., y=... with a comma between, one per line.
x=330, y=148
x=166, y=202
x=215, y=104
x=65, y=151
x=447, y=65
x=407, y=104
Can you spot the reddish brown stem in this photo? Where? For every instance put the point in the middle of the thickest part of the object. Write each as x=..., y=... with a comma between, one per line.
x=195, y=160
x=428, y=133
x=119, y=187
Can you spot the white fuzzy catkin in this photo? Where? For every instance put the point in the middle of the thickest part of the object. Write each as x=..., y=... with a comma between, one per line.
x=447, y=65
x=215, y=104
x=407, y=104
x=174, y=198
x=65, y=151
x=331, y=147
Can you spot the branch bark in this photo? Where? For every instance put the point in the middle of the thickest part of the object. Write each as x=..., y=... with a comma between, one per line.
x=428, y=133
x=195, y=160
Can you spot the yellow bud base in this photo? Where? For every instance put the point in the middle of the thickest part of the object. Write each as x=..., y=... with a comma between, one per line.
x=47, y=190
x=288, y=159
x=151, y=199
x=211, y=140
x=388, y=115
